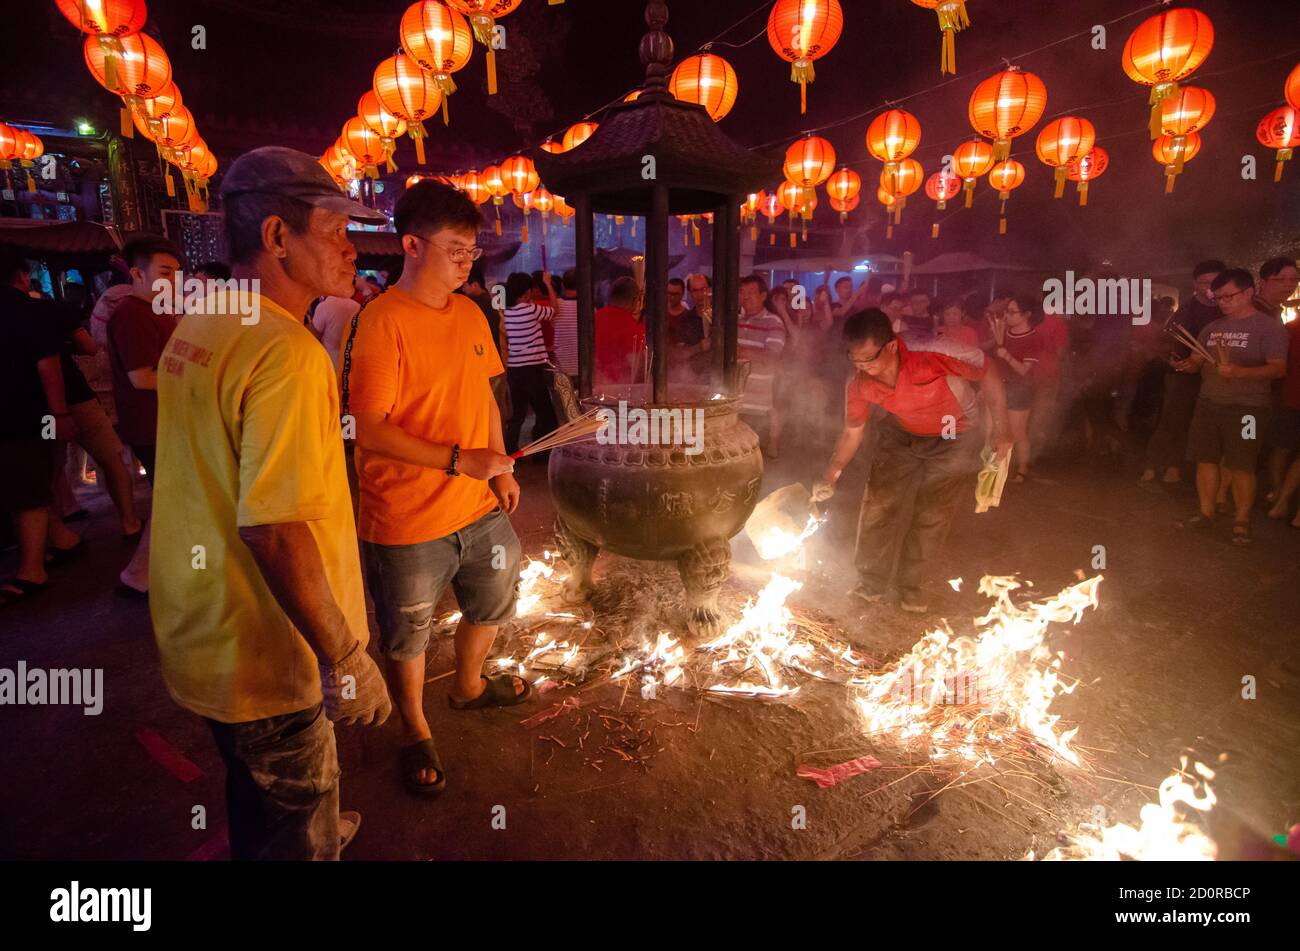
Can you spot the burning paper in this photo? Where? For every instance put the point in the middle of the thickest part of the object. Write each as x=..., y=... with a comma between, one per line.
x=763, y=640
x=782, y=522
x=991, y=480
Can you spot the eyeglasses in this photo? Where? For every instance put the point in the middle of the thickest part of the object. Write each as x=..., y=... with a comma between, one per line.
x=1220, y=298
x=861, y=361
x=457, y=255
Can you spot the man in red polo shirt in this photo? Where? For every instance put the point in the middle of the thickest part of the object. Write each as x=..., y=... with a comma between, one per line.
x=620, y=336
x=930, y=440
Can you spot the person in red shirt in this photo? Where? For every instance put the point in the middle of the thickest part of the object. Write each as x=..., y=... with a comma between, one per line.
x=620, y=336
x=1023, y=357
x=930, y=441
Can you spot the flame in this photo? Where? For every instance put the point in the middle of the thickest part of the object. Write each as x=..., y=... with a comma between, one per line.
x=763, y=639
x=530, y=595
x=776, y=542
x=1164, y=833
x=925, y=697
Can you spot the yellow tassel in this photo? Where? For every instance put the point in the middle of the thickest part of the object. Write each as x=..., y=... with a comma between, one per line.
x=498, y=224
x=392, y=166
x=1061, y=172
x=794, y=240
x=1002, y=226
x=1283, y=156
x=417, y=136
x=889, y=230
x=446, y=113
x=695, y=231
x=124, y=119
x=1159, y=92
x=753, y=232
x=31, y=182
x=112, y=48
x=948, y=58
x=934, y=230
x=524, y=231
x=1083, y=194
x=1169, y=184
x=491, y=71
x=1180, y=153
x=771, y=239
x=171, y=185
x=803, y=97
x=970, y=191
x=1001, y=149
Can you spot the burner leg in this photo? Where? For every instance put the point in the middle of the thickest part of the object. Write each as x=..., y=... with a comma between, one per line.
x=704, y=570
x=580, y=555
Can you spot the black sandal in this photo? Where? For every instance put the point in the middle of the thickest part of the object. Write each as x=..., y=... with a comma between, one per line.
x=499, y=692
x=25, y=589
x=418, y=758
x=58, y=557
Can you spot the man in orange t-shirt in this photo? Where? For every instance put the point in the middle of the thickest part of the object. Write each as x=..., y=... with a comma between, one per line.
x=436, y=485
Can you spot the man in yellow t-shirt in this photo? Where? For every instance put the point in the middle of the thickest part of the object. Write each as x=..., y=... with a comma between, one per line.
x=255, y=582
x=436, y=485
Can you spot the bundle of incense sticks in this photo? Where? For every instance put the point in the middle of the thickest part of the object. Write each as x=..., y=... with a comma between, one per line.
x=575, y=430
x=1181, y=334
x=999, y=327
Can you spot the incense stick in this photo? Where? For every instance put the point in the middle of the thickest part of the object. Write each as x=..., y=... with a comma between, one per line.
x=575, y=430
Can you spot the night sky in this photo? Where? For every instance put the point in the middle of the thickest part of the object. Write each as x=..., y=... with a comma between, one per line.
x=304, y=64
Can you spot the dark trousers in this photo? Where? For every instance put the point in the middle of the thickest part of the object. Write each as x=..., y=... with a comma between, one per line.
x=1168, y=445
x=282, y=787
x=937, y=469
x=528, y=388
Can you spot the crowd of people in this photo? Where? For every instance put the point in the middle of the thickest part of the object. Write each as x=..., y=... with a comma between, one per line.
x=357, y=437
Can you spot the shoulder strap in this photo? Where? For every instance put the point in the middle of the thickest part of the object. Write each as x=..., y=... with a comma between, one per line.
x=347, y=353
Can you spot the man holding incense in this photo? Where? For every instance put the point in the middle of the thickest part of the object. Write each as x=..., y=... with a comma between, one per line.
x=929, y=440
x=436, y=484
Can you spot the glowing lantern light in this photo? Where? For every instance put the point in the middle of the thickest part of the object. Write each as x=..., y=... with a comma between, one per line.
x=886, y=198
x=520, y=174
x=177, y=130
x=578, y=133
x=970, y=161
x=1187, y=111
x=706, y=80
x=498, y=188
x=771, y=207
x=749, y=211
x=844, y=206
x=340, y=163
x=409, y=93
x=150, y=112
x=10, y=147
x=23, y=147
x=544, y=202
x=802, y=31
x=366, y=144
x=892, y=137
x=134, y=67
x=905, y=180
x=104, y=17
x=1006, y=176
x=1280, y=130
x=799, y=200
x=472, y=184
x=381, y=122
x=1293, y=88
x=1086, y=168
x=1164, y=49
x=440, y=42
x=1061, y=142
x=952, y=19
x=550, y=145
x=190, y=159
x=1173, y=152
x=563, y=208
x=809, y=161
x=483, y=15
x=941, y=187
x=1006, y=105
x=844, y=184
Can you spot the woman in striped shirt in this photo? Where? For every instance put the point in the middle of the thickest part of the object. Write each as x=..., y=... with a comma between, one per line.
x=527, y=361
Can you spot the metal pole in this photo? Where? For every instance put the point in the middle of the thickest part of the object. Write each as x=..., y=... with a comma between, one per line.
x=717, y=340
x=656, y=286
x=729, y=306
x=584, y=247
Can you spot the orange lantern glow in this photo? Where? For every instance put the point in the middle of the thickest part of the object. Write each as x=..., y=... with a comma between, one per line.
x=1293, y=88
x=1173, y=152
x=563, y=208
x=749, y=210
x=366, y=144
x=802, y=31
x=409, y=93
x=809, y=161
x=340, y=163
x=26, y=148
x=887, y=198
x=1188, y=110
x=578, y=133
x=844, y=184
x=483, y=15
x=971, y=161
x=550, y=145
x=706, y=80
x=132, y=66
x=472, y=184
x=633, y=96
x=498, y=188
x=10, y=149
x=1086, y=168
x=104, y=17
x=440, y=42
x=1280, y=130
x=170, y=131
x=1006, y=105
x=1061, y=142
x=844, y=206
x=1006, y=176
x=1168, y=47
x=150, y=111
x=771, y=207
x=381, y=122
x=952, y=19
x=520, y=174
x=544, y=202
x=903, y=181
x=524, y=201
x=892, y=137
x=940, y=188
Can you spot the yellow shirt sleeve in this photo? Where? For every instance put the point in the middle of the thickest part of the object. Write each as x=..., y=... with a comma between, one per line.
x=288, y=406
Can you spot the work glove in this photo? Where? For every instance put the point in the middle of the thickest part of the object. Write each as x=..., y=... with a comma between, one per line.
x=822, y=491
x=354, y=690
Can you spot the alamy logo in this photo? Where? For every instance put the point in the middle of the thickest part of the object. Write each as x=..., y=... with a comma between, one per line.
x=657, y=426
x=62, y=687
x=210, y=298
x=1099, y=297
x=73, y=904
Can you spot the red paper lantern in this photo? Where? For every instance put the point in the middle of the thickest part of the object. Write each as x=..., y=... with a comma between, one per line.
x=906, y=179
x=1006, y=105
x=9, y=147
x=1086, y=168
x=1061, y=142
x=483, y=15
x=802, y=31
x=439, y=40
x=1164, y=49
x=104, y=17
x=844, y=184
x=892, y=137
x=520, y=174
x=132, y=66
x=952, y=19
x=810, y=161
x=472, y=184
x=1173, y=151
x=845, y=205
x=498, y=187
x=365, y=144
x=578, y=133
x=1293, y=88
x=550, y=145
x=409, y=93
x=1280, y=130
x=1188, y=110
x=381, y=122
x=940, y=188
x=971, y=161
x=340, y=163
x=563, y=208
x=167, y=102
x=707, y=80
x=1006, y=176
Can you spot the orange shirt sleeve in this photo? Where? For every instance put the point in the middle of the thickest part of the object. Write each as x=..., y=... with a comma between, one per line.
x=376, y=358
x=484, y=332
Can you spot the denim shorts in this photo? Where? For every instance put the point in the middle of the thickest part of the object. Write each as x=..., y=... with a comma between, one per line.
x=406, y=581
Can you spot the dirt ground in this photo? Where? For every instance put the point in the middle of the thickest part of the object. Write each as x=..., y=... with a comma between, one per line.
x=1181, y=622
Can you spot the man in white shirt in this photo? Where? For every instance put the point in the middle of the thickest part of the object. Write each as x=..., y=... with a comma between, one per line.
x=332, y=320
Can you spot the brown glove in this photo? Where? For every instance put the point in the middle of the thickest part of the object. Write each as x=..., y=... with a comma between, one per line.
x=354, y=690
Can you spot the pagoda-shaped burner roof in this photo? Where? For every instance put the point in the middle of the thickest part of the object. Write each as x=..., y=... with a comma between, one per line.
x=699, y=163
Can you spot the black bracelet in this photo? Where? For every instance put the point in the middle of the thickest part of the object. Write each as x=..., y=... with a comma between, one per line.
x=455, y=458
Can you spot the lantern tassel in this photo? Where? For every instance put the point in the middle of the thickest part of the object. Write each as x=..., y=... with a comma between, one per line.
x=392, y=166
x=171, y=185
x=889, y=230
x=1083, y=194
x=31, y=182
x=1061, y=172
x=112, y=47
x=948, y=57
x=771, y=239
x=934, y=230
x=1283, y=156
x=491, y=71
x=802, y=72
x=1159, y=92
x=524, y=231
x=418, y=133
x=1002, y=226
x=753, y=232
x=1001, y=149
x=124, y=119
x=1169, y=183
x=794, y=239
x=695, y=232
x=970, y=191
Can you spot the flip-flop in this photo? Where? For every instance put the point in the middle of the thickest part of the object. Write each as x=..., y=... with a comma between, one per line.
x=417, y=758
x=499, y=692
x=58, y=557
x=1243, y=537
x=25, y=589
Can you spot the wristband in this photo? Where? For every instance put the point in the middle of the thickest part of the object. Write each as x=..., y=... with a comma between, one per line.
x=455, y=458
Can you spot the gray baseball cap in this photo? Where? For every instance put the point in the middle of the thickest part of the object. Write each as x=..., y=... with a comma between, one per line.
x=276, y=170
